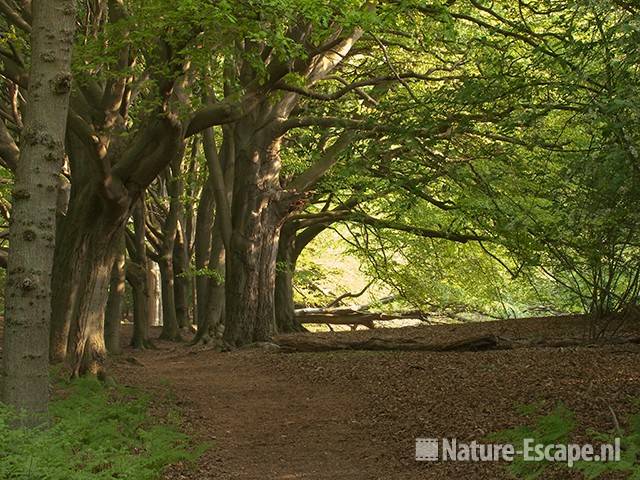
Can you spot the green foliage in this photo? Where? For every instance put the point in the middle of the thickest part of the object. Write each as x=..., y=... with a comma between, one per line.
x=517, y=122
x=96, y=433
x=204, y=272
x=630, y=455
x=448, y=277
x=557, y=427
x=326, y=269
x=560, y=189
x=552, y=428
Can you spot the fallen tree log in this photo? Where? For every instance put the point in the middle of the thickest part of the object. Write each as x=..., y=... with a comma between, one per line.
x=309, y=343
x=349, y=316
x=312, y=343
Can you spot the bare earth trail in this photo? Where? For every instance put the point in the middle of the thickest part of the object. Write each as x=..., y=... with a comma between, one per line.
x=355, y=415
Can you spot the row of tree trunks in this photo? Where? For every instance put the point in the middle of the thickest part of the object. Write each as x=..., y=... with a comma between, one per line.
x=210, y=248
x=249, y=224
x=248, y=227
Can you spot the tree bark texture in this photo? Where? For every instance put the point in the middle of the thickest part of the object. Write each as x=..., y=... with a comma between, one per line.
x=25, y=370
x=258, y=211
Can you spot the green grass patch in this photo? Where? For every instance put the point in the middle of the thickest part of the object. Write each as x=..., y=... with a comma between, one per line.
x=95, y=433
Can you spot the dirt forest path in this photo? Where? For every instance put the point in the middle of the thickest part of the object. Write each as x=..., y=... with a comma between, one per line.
x=355, y=415
x=262, y=423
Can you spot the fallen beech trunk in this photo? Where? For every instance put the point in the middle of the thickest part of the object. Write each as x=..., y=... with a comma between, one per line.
x=348, y=316
x=309, y=343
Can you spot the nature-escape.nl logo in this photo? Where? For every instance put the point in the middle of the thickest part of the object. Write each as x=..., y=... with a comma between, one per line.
x=450, y=449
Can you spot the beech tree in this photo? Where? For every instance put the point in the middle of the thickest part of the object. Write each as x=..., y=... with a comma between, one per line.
x=415, y=108
x=38, y=167
x=124, y=157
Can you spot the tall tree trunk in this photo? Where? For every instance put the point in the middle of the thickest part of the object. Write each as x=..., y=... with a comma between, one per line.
x=32, y=230
x=113, y=313
x=220, y=185
x=290, y=247
x=83, y=262
x=65, y=283
x=188, y=234
x=138, y=277
x=286, y=266
x=154, y=295
x=170, y=327
x=170, y=330
x=250, y=285
x=202, y=251
x=259, y=209
x=84, y=203
x=210, y=331
x=265, y=326
x=181, y=284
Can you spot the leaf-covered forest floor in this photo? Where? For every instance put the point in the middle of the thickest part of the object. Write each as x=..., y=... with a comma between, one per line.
x=355, y=415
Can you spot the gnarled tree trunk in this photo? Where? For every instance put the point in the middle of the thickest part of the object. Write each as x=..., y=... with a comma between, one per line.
x=258, y=211
x=86, y=246
x=93, y=261
x=97, y=212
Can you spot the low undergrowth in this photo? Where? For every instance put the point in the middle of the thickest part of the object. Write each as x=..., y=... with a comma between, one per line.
x=557, y=428
x=95, y=433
